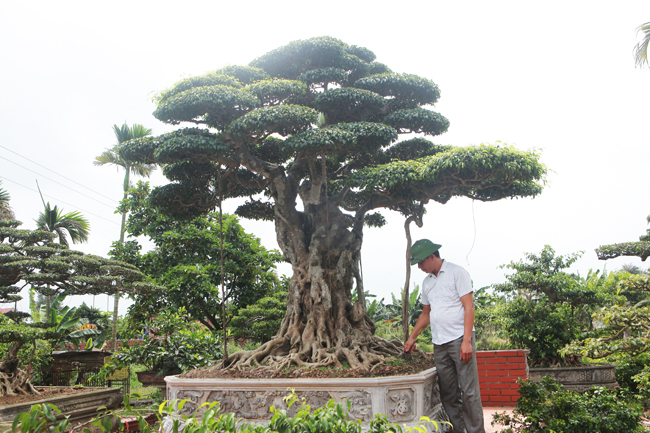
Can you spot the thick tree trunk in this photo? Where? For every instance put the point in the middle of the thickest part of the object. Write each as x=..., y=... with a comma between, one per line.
x=13, y=380
x=322, y=325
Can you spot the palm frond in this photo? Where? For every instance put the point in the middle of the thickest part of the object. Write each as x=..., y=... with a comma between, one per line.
x=641, y=49
x=6, y=213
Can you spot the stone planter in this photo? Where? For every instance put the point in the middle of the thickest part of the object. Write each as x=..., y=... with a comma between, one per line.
x=579, y=378
x=81, y=407
x=148, y=378
x=404, y=399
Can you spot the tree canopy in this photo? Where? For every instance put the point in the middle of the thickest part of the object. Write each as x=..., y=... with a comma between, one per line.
x=319, y=121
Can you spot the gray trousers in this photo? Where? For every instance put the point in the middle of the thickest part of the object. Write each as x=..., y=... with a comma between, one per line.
x=459, y=389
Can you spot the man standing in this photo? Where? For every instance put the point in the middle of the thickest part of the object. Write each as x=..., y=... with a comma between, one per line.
x=449, y=308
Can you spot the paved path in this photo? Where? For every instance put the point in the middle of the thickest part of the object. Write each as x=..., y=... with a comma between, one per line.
x=487, y=416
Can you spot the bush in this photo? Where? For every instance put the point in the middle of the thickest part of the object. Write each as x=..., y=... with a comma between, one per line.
x=629, y=366
x=547, y=407
x=331, y=418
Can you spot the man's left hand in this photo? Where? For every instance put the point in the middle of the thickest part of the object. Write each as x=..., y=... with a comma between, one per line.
x=466, y=351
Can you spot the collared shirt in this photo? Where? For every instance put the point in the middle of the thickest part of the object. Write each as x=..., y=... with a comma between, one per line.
x=443, y=294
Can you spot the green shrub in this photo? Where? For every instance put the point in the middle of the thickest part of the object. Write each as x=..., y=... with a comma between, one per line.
x=330, y=418
x=547, y=407
x=629, y=366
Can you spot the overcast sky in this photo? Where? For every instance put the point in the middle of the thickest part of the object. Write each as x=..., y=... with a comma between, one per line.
x=557, y=76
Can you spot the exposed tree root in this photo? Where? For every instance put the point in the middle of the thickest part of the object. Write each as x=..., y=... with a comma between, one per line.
x=16, y=383
x=277, y=354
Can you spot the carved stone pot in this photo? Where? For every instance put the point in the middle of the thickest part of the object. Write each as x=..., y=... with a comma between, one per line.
x=404, y=399
x=579, y=378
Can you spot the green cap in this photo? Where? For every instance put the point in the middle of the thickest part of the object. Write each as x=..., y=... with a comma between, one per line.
x=422, y=249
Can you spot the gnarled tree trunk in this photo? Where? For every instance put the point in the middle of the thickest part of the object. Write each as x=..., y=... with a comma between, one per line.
x=13, y=380
x=322, y=325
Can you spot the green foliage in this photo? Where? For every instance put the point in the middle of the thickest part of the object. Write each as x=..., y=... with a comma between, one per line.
x=330, y=418
x=40, y=418
x=638, y=249
x=489, y=320
x=35, y=358
x=547, y=408
x=186, y=261
x=541, y=327
x=172, y=344
x=624, y=329
x=635, y=249
x=551, y=308
x=628, y=367
x=260, y=321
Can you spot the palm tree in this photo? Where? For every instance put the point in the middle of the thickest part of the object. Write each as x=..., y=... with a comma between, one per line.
x=72, y=224
x=112, y=157
x=641, y=49
x=5, y=210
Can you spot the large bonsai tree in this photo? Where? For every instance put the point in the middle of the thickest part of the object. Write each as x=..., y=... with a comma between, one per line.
x=310, y=133
x=31, y=258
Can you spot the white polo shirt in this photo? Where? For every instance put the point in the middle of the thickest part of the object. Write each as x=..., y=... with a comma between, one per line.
x=443, y=294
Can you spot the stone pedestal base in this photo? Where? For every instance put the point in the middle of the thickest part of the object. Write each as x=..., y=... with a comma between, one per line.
x=579, y=378
x=404, y=399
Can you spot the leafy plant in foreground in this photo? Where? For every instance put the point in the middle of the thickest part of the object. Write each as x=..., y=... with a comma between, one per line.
x=546, y=407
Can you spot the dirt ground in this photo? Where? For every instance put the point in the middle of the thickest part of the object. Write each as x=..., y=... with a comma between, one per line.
x=45, y=393
x=396, y=368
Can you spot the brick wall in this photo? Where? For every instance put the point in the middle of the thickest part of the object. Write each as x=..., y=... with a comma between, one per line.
x=498, y=372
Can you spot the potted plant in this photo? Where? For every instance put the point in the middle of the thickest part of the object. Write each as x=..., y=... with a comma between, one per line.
x=169, y=345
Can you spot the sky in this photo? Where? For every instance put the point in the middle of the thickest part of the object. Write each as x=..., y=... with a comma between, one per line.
x=555, y=76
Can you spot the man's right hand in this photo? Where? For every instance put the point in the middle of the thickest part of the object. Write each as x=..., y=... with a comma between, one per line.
x=409, y=346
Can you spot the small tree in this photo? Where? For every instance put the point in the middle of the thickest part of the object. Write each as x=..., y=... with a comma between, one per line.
x=625, y=325
x=186, y=262
x=317, y=122
x=548, y=307
x=31, y=257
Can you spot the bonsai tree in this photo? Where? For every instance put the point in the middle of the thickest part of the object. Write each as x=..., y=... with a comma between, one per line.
x=30, y=257
x=309, y=133
x=626, y=326
x=172, y=343
x=548, y=306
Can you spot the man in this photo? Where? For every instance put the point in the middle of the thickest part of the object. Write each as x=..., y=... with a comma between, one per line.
x=449, y=308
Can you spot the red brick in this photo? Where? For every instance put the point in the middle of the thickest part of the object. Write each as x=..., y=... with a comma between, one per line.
x=485, y=354
x=499, y=386
x=482, y=385
x=488, y=367
x=485, y=399
x=509, y=392
x=517, y=359
x=489, y=379
x=509, y=404
x=480, y=361
x=491, y=392
x=496, y=361
x=499, y=373
x=500, y=398
x=509, y=352
x=520, y=373
x=481, y=373
x=507, y=379
x=514, y=386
